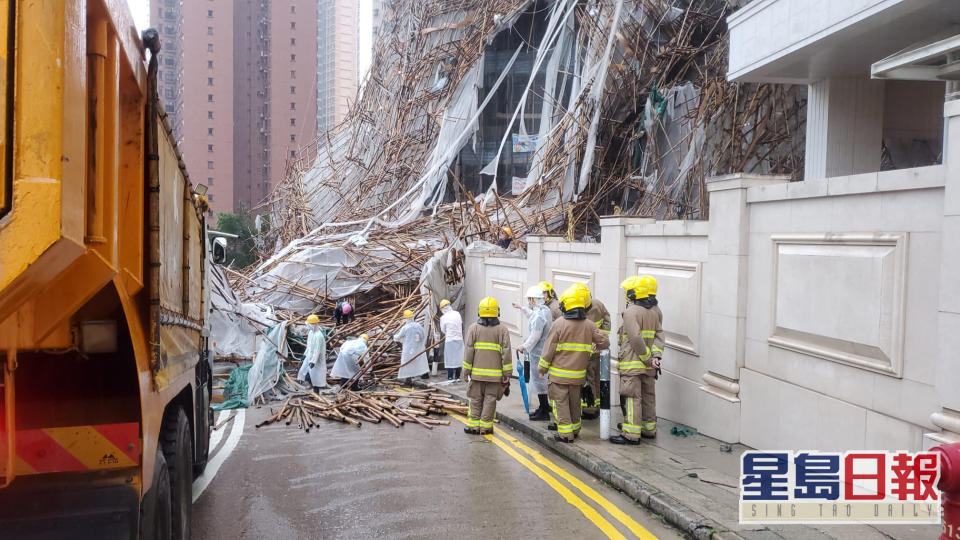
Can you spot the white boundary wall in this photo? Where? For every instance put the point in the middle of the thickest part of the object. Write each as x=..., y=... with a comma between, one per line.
x=801, y=315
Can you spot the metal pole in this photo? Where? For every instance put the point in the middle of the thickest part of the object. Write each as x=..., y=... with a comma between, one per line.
x=604, y=395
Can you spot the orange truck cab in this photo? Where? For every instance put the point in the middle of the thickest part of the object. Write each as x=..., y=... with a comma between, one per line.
x=105, y=373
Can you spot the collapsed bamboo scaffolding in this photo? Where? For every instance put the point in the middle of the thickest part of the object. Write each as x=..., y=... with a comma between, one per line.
x=376, y=406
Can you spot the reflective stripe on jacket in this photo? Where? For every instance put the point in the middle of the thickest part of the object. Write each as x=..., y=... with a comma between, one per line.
x=568, y=348
x=487, y=356
x=636, y=340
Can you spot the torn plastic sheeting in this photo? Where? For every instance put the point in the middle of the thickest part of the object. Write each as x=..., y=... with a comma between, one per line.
x=433, y=279
x=265, y=371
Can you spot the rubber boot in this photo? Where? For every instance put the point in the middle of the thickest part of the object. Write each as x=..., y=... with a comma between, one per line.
x=543, y=410
x=425, y=376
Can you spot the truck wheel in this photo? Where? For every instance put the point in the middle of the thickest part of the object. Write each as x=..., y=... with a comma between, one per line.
x=177, y=443
x=205, y=424
x=155, y=509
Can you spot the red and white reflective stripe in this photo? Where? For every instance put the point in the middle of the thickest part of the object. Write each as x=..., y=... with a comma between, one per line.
x=74, y=448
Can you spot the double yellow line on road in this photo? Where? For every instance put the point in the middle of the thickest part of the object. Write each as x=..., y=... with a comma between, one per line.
x=568, y=495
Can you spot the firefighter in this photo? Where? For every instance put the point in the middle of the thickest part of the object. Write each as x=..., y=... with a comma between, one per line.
x=637, y=365
x=571, y=341
x=590, y=398
x=550, y=299
x=487, y=361
x=654, y=305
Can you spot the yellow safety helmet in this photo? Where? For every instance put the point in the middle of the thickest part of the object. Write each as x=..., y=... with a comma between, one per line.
x=576, y=296
x=444, y=303
x=313, y=319
x=364, y=337
x=545, y=285
x=489, y=307
x=408, y=314
x=635, y=288
x=650, y=283
x=508, y=230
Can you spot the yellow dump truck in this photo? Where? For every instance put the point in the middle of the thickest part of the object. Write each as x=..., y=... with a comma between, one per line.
x=105, y=377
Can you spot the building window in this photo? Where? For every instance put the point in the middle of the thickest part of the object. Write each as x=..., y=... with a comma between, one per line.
x=209, y=148
x=209, y=13
x=159, y=75
x=169, y=108
x=210, y=196
x=209, y=81
x=293, y=9
x=293, y=26
x=209, y=180
x=168, y=61
x=293, y=153
x=293, y=41
x=293, y=58
x=209, y=115
x=209, y=47
x=209, y=131
x=209, y=164
x=169, y=93
x=293, y=138
x=209, y=97
x=293, y=89
x=209, y=64
x=293, y=121
x=209, y=30
x=293, y=106
x=293, y=74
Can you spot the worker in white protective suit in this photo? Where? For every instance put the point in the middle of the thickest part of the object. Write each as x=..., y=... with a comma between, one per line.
x=451, y=324
x=539, y=320
x=314, y=365
x=351, y=351
x=413, y=340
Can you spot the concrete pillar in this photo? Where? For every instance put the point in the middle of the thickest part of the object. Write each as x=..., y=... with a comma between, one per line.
x=948, y=362
x=844, y=127
x=724, y=305
x=613, y=246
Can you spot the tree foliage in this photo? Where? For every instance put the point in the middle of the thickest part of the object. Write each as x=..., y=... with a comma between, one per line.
x=241, y=251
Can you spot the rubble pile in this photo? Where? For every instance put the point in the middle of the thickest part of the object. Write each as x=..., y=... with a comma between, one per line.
x=478, y=115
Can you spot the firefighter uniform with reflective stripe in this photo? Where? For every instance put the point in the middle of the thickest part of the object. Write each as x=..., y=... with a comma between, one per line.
x=487, y=360
x=637, y=374
x=657, y=349
x=566, y=355
x=590, y=398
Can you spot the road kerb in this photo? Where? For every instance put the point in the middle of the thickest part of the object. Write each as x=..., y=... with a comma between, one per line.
x=673, y=511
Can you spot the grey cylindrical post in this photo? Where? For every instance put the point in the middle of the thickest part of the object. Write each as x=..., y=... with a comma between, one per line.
x=604, y=395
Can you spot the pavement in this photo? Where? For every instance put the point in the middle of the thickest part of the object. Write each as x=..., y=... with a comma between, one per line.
x=377, y=481
x=692, y=482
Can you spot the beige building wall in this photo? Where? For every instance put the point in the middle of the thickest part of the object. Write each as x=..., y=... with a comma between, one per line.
x=293, y=82
x=337, y=53
x=207, y=138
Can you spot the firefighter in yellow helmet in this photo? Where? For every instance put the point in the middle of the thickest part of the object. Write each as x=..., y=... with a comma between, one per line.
x=566, y=354
x=637, y=365
x=590, y=398
x=488, y=363
x=653, y=304
x=550, y=299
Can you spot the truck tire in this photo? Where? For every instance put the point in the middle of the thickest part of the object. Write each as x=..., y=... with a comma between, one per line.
x=155, y=518
x=204, y=427
x=177, y=443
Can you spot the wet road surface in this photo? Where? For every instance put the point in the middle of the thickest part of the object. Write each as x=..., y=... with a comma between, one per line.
x=338, y=481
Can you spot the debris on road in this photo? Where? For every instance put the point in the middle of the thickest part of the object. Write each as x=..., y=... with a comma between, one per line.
x=375, y=406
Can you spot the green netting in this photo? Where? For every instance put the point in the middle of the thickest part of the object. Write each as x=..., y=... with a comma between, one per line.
x=235, y=391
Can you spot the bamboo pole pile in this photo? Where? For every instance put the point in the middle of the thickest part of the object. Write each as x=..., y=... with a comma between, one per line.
x=394, y=408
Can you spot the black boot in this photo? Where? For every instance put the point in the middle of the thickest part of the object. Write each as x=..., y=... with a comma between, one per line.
x=408, y=381
x=619, y=439
x=425, y=375
x=543, y=410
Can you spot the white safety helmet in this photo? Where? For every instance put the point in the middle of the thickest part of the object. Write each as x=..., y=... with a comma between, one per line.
x=535, y=292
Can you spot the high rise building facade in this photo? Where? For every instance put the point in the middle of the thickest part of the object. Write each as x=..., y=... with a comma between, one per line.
x=337, y=51
x=241, y=85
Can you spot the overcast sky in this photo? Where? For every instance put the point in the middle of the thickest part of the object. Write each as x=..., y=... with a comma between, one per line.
x=141, y=16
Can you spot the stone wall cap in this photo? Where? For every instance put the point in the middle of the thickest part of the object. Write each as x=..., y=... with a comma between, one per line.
x=743, y=181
